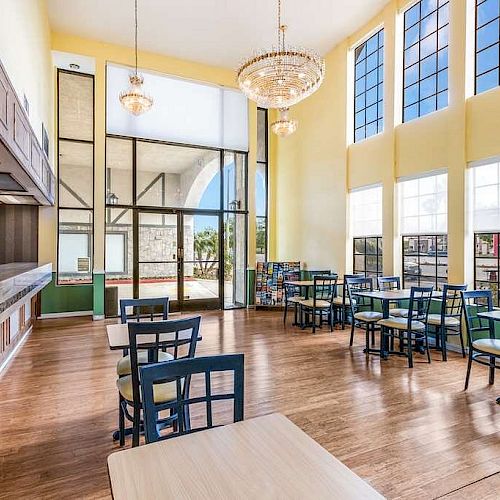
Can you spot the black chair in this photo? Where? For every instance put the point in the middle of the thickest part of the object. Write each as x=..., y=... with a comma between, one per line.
x=180, y=336
x=388, y=283
x=142, y=309
x=449, y=321
x=312, y=274
x=362, y=309
x=179, y=373
x=411, y=331
x=341, y=304
x=324, y=290
x=292, y=296
x=484, y=346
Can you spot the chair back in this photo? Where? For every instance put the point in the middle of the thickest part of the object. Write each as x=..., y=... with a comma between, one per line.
x=179, y=372
x=420, y=301
x=387, y=283
x=180, y=336
x=312, y=274
x=474, y=302
x=345, y=293
x=144, y=309
x=324, y=287
x=452, y=304
x=358, y=302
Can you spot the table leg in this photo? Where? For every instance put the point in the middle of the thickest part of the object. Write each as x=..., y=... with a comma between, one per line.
x=384, y=349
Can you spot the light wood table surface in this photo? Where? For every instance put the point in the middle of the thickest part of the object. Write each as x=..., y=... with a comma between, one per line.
x=118, y=337
x=264, y=457
x=491, y=315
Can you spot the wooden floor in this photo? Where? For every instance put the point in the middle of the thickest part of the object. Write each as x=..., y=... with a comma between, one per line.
x=409, y=433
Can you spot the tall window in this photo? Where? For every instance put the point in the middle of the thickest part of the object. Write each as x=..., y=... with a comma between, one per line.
x=423, y=209
x=366, y=230
x=369, y=87
x=425, y=78
x=75, y=177
x=261, y=178
x=485, y=184
x=487, y=44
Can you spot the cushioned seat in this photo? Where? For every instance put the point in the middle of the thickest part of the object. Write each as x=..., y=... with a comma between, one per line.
x=320, y=304
x=123, y=365
x=161, y=392
x=435, y=319
x=295, y=299
x=398, y=312
x=337, y=301
x=368, y=316
x=491, y=346
x=401, y=324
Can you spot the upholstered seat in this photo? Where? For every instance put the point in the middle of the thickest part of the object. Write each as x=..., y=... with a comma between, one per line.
x=398, y=312
x=401, y=324
x=295, y=299
x=491, y=346
x=123, y=365
x=338, y=301
x=161, y=392
x=368, y=316
x=320, y=304
x=435, y=319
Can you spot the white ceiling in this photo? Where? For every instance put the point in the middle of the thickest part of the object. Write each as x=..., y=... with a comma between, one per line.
x=217, y=32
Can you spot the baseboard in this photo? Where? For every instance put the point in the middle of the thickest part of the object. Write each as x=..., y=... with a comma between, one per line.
x=97, y=317
x=69, y=314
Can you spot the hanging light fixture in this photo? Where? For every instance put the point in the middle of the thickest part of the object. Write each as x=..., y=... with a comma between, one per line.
x=283, y=76
x=284, y=126
x=134, y=99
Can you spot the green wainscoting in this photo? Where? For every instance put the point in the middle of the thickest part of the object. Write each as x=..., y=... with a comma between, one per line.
x=98, y=294
x=250, y=287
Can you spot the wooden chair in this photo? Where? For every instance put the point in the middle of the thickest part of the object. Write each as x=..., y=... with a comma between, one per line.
x=179, y=374
x=142, y=309
x=362, y=308
x=387, y=283
x=411, y=331
x=153, y=336
x=341, y=304
x=449, y=321
x=484, y=346
x=324, y=290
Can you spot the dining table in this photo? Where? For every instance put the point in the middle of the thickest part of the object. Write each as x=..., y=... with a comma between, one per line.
x=306, y=285
x=492, y=316
x=265, y=457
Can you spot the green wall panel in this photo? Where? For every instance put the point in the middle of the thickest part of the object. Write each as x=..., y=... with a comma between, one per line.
x=98, y=295
x=250, y=287
x=69, y=298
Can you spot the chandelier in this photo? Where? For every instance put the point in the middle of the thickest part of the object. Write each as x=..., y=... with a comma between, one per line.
x=283, y=76
x=134, y=99
x=284, y=126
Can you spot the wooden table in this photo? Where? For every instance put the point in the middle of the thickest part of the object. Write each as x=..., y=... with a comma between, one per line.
x=264, y=457
x=118, y=337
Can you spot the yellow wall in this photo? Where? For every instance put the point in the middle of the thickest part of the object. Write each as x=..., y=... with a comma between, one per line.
x=316, y=167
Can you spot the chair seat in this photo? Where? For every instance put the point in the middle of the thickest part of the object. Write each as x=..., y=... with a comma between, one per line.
x=161, y=392
x=295, y=299
x=123, y=365
x=338, y=301
x=435, y=319
x=491, y=346
x=320, y=304
x=398, y=312
x=368, y=316
x=402, y=324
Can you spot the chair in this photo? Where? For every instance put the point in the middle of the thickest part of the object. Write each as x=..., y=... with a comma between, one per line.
x=154, y=336
x=449, y=320
x=141, y=309
x=179, y=373
x=312, y=274
x=484, y=347
x=362, y=308
x=387, y=283
x=411, y=331
x=342, y=304
x=324, y=290
x=292, y=296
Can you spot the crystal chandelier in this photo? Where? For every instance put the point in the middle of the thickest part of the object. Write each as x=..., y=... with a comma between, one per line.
x=134, y=99
x=284, y=126
x=283, y=76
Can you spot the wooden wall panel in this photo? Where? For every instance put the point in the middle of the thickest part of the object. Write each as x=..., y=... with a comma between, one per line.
x=19, y=230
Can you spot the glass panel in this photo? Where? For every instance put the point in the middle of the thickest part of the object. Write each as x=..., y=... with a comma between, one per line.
x=76, y=167
x=234, y=181
x=158, y=280
x=359, y=263
x=371, y=246
x=234, y=260
x=76, y=107
x=261, y=238
x=119, y=161
x=261, y=135
x=75, y=247
x=177, y=176
x=261, y=190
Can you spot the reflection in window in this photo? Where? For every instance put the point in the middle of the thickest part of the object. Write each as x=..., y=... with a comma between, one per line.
x=261, y=179
x=487, y=263
x=487, y=44
x=368, y=256
x=369, y=87
x=425, y=260
x=425, y=78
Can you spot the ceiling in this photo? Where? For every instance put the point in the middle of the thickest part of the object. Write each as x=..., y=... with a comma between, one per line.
x=216, y=32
